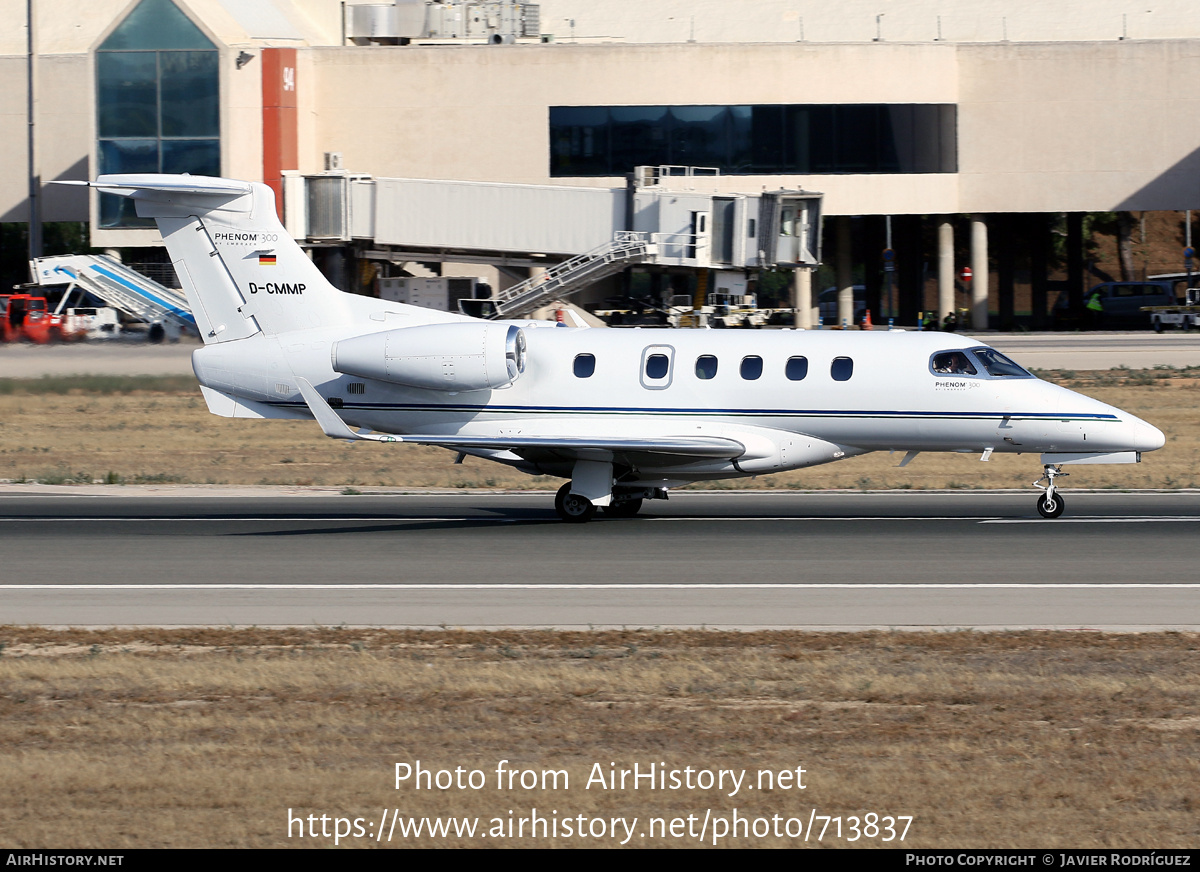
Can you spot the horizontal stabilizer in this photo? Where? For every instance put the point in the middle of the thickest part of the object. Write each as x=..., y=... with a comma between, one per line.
x=130, y=184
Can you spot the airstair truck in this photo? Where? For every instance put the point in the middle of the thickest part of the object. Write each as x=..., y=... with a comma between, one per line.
x=139, y=298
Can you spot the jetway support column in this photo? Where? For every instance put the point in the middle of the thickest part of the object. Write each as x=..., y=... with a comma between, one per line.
x=1039, y=266
x=1006, y=270
x=910, y=268
x=845, y=272
x=802, y=306
x=945, y=269
x=1075, y=265
x=979, y=272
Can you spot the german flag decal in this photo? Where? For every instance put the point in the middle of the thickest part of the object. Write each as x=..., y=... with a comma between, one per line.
x=266, y=260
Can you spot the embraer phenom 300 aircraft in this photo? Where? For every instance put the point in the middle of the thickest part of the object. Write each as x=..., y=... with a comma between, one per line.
x=625, y=415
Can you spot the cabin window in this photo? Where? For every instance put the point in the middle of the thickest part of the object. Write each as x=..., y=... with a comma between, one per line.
x=841, y=369
x=751, y=368
x=952, y=363
x=657, y=366
x=998, y=365
x=585, y=365
x=796, y=369
x=706, y=366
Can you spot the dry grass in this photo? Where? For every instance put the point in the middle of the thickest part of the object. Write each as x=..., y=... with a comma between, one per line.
x=180, y=738
x=159, y=431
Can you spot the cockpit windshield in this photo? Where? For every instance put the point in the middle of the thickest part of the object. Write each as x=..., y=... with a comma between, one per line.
x=998, y=365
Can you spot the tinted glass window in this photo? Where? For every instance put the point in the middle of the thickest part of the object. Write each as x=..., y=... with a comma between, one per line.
x=585, y=365
x=797, y=368
x=127, y=93
x=706, y=366
x=841, y=369
x=952, y=362
x=751, y=368
x=657, y=366
x=156, y=24
x=157, y=102
x=760, y=139
x=188, y=82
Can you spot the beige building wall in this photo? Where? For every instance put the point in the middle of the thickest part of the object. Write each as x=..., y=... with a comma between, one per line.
x=1079, y=127
x=64, y=129
x=480, y=113
x=865, y=20
x=1043, y=126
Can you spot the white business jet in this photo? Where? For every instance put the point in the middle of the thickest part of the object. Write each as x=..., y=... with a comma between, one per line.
x=624, y=415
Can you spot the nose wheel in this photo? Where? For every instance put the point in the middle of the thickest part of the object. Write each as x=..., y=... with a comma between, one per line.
x=1050, y=504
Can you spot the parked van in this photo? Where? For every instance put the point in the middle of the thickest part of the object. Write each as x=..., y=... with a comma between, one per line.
x=1122, y=304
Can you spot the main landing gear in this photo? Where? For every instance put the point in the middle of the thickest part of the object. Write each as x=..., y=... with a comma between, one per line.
x=573, y=508
x=1050, y=504
x=626, y=502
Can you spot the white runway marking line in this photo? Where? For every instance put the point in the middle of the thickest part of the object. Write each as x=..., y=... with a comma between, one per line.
x=1151, y=520
x=980, y=519
x=619, y=586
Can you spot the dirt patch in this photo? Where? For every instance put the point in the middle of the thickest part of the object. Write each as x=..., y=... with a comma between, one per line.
x=214, y=737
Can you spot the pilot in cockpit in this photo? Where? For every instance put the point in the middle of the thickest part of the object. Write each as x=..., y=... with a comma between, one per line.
x=953, y=363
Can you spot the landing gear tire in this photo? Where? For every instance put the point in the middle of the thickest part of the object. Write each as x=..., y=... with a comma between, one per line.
x=1050, y=505
x=573, y=508
x=624, y=509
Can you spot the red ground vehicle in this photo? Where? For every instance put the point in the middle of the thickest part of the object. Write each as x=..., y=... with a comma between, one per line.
x=24, y=316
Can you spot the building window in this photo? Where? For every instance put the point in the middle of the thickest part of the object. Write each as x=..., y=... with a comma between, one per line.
x=756, y=140
x=157, y=102
x=796, y=369
x=706, y=366
x=585, y=365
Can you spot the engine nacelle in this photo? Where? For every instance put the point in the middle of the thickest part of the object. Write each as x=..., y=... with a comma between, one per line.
x=438, y=357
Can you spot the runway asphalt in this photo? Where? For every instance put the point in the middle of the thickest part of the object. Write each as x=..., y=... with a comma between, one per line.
x=735, y=559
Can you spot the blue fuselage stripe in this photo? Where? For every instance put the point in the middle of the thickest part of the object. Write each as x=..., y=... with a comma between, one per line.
x=790, y=413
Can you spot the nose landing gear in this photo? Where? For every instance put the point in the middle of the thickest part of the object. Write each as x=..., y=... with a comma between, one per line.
x=1050, y=504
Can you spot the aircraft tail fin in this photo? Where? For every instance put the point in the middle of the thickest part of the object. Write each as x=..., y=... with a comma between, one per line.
x=242, y=271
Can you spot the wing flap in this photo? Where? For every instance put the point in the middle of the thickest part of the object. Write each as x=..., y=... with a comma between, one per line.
x=687, y=446
x=571, y=446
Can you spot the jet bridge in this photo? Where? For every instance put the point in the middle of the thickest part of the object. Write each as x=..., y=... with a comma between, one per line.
x=667, y=216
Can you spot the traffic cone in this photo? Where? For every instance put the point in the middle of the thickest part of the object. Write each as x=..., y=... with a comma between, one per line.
x=866, y=324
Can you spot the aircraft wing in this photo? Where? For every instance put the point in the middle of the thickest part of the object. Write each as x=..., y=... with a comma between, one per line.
x=569, y=446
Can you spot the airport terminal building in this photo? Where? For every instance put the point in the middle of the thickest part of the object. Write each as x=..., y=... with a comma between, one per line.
x=915, y=125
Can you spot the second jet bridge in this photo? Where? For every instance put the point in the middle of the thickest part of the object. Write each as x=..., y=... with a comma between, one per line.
x=667, y=216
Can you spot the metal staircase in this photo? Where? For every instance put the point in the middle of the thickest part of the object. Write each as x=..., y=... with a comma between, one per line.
x=120, y=287
x=574, y=275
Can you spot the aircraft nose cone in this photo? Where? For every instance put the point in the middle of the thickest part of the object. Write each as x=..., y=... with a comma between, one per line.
x=1146, y=437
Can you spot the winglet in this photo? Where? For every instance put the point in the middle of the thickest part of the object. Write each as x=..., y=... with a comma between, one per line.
x=334, y=427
